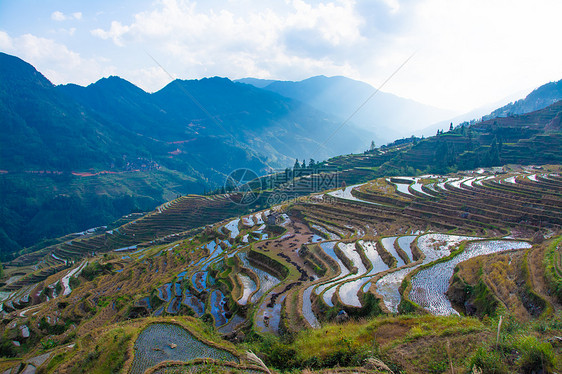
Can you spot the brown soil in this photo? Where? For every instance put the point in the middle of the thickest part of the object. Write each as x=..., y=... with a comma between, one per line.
x=429, y=354
x=390, y=332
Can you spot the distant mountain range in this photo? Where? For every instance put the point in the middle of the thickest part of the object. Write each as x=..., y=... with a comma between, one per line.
x=386, y=115
x=74, y=157
x=210, y=126
x=185, y=138
x=540, y=98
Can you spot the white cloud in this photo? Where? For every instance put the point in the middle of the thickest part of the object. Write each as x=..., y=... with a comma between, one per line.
x=115, y=33
x=60, y=16
x=54, y=60
x=148, y=77
x=473, y=52
x=470, y=52
x=238, y=41
x=6, y=43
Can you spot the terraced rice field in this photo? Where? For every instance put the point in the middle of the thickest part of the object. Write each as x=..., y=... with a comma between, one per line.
x=348, y=290
x=218, y=302
x=388, y=244
x=346, y=194
x=194, y=303
x=372, y=225
x=405, y=243
x=328, y=248
x=232, y=226
x=307, y=308
x=249, y=287
x=429, y=285
x=267, y=280
x=433, y=246
x=402, y=187
x=168, y=342
x=417, y=186
x=268, y=318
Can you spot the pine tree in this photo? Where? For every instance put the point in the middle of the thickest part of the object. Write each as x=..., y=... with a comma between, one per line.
x=297, y=165
x=494, y=153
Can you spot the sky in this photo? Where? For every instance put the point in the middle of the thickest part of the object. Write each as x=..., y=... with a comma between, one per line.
x=459, y=54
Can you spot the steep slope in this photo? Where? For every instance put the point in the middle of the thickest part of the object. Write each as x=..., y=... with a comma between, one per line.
x=369, y=251
x=532, y=138
x=67, y=166
x=540, y=98
x=90, y=143
x=273, y=125
x=386, y=115
x=42, y=129
x=278, y=128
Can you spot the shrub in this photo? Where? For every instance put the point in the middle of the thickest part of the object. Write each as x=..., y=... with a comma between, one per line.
x=489, y=362
x=93, y=269
x=7, y=349
x=535, y=355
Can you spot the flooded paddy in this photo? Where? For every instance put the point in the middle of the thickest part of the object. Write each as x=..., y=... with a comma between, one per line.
x=267, y=280
x=249, y=287
x=429, y=285
x=154, y=345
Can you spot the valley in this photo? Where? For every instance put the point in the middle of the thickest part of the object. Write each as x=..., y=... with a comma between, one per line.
x=124, y=250
x=325, y=265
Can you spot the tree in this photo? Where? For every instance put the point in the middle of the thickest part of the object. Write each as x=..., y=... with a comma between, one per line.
x=311, y=163
x=372, y=148
x=297, y=165
x=441, y=156
x=303, y=164
x=451, y=127
x=494, y=154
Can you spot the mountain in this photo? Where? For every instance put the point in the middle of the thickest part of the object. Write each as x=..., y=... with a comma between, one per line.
x=256, y=82
x=528, y=139
x=42, y=129
x=385, y=115
x=184, y=112
x=352, y=265
x=540, y=98
x=470, y=116
x=397, y=274
x=111, y=148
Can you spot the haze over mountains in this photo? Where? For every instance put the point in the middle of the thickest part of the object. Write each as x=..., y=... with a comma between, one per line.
x=540, y=98
x=187, y=124
x=386, y=115
x=110, y=148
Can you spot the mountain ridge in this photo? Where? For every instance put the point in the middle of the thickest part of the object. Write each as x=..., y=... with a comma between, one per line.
x=386, y=115
x=60, y=134
x=539, y=98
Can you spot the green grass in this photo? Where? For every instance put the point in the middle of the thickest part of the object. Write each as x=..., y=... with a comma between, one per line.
x=552, y=271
